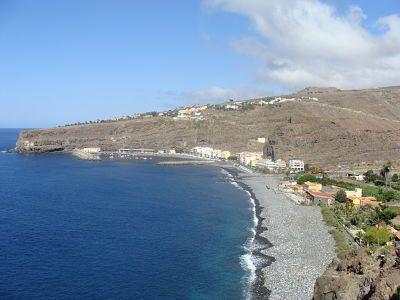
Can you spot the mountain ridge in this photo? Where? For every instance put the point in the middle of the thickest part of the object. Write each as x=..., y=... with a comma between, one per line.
x=343, y=127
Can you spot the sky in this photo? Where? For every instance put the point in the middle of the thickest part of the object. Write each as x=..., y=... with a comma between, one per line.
x=67, y=61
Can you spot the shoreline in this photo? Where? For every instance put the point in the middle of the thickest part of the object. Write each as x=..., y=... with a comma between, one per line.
x=292, y=244
x=280, y=250
x=257, y=289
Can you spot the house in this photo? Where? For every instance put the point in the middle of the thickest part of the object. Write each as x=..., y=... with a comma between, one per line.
x=271, y=165
x=312, y=186
x=216, y=153
x=92, y=150
x=296, y=165
x=363, y=201
x=226, y=154
x=356, y=193
x=203, y=151
x=232, y=106
x=320, y=198
x=359, y=177
x=369, y=201
x=281, y=164
x=246, y=158
x=392, y=230
x=261, y=140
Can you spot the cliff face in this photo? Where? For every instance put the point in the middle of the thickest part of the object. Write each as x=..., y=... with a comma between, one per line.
x=360, y=276
x=343, y=127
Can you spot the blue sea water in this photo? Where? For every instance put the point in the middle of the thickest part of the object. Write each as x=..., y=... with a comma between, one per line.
x=72, y=229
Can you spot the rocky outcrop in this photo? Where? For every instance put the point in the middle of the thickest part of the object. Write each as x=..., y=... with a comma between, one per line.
x=360, y=276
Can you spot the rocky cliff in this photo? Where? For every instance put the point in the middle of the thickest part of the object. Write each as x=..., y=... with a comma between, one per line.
x=359, y=276
x=342, y=127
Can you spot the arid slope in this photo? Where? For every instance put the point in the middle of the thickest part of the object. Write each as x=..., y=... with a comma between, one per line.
x=343, y=127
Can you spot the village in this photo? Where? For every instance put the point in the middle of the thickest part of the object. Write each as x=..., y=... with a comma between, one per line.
x=196, y=112
x=362, y=213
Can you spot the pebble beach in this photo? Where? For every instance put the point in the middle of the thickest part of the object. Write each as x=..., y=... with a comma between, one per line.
x=299, y=242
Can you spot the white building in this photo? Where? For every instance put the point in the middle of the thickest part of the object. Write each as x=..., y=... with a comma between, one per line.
x=206, y=152
x=216, y=153
x=92, y=150
x=246, y=158
x=296, y=165
x=232, y=106
x=272, y=165
x=359, y=177
x=281, y=164
x=261, y=140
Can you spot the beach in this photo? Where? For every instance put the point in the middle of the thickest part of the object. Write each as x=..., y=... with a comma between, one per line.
x=292, y=246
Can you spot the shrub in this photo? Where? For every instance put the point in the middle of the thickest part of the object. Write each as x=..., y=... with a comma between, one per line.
x=340, y=196
x=395, y=178
x=306, y=177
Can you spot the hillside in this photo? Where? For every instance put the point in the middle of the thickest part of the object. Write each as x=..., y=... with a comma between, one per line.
x=342, y=127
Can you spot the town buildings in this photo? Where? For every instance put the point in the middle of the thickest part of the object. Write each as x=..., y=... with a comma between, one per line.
x=271, y=165
x=249, y=158
x=296, y=165
x=92, y=150
x=209, y=152
x=317, y=197
x=312, y=186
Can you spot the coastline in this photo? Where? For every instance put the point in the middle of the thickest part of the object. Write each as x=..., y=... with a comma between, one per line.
x=292, y=246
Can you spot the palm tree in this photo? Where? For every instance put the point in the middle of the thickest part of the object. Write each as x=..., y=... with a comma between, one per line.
x=386, y=170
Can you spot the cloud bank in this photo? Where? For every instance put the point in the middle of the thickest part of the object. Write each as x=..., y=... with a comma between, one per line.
x=301, y=43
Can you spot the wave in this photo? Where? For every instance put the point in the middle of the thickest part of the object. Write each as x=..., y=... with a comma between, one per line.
x=247, y=260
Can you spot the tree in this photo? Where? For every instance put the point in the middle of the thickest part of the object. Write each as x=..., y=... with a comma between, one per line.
x=306, y=177
x=386, y=169
x=340, y=196
x=395, y=178
x=377, y=236
x=369, y=176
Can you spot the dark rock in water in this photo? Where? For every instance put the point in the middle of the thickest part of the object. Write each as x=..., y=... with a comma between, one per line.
x=360, y=276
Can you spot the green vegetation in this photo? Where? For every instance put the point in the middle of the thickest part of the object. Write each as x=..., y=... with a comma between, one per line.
x=365, y=217
x=371, y=177
x=396, y=186
x=395, y=178
x=369, y=222
x=232, y=158
x=325, y=180
x=380, y=193
x=306, y=177
x=343, y=245
x=340, y=196
x=376, y=236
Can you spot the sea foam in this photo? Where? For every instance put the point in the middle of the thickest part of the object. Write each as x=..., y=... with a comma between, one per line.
x=247, y=260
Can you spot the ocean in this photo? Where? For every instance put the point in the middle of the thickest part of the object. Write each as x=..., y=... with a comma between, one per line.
x=72, y=229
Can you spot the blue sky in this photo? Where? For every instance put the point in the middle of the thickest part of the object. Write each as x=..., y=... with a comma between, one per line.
x=68, y=61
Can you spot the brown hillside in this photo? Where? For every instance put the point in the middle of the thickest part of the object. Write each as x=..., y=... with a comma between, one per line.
x=343, y=127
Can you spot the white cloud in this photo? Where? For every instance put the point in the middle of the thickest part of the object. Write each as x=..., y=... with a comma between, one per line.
x=307, y=43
